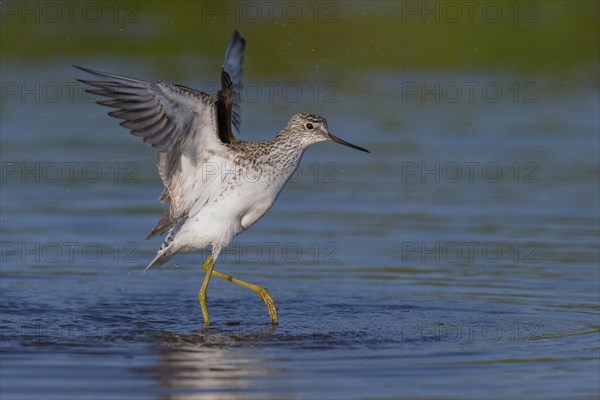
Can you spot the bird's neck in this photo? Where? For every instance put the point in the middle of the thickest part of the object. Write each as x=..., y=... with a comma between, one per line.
x=286, y=155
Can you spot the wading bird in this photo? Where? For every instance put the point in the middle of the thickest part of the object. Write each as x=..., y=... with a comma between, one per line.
x=190, y=130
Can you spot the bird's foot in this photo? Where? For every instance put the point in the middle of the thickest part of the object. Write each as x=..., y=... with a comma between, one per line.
x=268, y=299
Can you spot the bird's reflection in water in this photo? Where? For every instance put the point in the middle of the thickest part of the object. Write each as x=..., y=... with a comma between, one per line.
x=215, y=364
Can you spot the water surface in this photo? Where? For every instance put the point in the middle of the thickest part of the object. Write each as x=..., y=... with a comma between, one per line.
x=459, y=259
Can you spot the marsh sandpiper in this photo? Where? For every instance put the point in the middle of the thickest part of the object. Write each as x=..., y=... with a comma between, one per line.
x=191, y=131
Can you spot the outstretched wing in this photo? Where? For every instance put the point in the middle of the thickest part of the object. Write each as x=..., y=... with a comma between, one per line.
x=229, y=98
x=179, y=122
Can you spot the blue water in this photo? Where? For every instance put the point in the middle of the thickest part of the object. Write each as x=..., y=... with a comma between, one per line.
x=459, y=259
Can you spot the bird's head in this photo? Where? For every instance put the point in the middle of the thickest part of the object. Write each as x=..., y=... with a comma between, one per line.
x=309, y=129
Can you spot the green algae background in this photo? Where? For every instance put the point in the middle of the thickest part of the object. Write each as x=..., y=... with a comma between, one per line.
x=289, y=38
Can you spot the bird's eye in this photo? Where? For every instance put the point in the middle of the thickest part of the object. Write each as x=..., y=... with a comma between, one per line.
x=309, y=126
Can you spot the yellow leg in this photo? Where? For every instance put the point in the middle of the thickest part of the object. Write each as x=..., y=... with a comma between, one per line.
x=262, y=292
x=208, y=267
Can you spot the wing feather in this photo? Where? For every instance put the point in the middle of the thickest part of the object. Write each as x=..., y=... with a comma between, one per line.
x=229, y=98
x=178, y=122
x=233, y=64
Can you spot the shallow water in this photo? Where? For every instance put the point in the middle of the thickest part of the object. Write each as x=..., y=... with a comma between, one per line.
x=459, y=259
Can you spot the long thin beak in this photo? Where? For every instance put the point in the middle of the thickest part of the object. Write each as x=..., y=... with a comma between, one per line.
x=336, y=139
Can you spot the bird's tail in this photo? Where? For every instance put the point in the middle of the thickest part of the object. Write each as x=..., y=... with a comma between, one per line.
x=161, y=257
x=165, y=252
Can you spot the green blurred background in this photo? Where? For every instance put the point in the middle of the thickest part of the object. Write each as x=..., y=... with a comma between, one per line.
x=293, y=39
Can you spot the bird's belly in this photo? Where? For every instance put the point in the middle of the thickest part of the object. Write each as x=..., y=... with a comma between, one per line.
x=222, y=218
x=213, y=224
x=255, y=202
x=234, y=206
